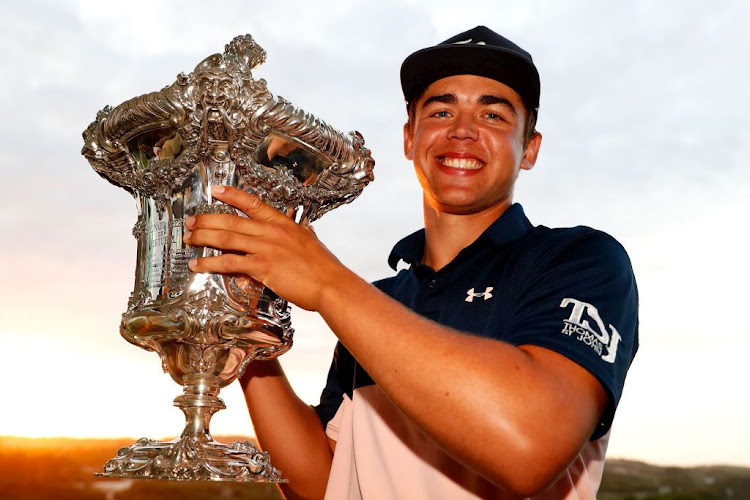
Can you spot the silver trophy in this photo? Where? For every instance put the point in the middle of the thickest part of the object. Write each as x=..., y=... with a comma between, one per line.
x=215, y=126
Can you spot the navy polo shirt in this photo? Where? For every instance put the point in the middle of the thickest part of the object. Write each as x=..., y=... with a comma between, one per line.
x=571, y=290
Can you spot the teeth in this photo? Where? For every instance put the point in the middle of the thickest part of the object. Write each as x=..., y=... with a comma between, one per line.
x=461, y=163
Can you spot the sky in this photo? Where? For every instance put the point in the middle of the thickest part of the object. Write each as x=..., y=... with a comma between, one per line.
x=643, y=115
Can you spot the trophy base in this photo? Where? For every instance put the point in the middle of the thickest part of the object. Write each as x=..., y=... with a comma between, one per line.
x=191, y=459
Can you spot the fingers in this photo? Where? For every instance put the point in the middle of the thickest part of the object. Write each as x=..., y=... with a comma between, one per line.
x=249, y=204
x=242, y=236
x=224, y=264
x=267, y=245
x=226, y=231
x=225, y=222
x=233, y=264
x=221, y=239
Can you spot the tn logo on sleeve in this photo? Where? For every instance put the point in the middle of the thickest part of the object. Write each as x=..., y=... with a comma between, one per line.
x=597, y=338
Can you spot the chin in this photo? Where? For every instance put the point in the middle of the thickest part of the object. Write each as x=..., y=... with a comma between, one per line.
x=464, y=205
x=465, y=209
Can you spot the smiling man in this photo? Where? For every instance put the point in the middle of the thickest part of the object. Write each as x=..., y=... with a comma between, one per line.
x=491, y=367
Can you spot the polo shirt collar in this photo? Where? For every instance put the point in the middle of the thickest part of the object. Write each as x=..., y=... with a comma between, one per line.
x=509, y=227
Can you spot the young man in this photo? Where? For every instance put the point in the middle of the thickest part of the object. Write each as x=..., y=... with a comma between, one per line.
x=492, y=366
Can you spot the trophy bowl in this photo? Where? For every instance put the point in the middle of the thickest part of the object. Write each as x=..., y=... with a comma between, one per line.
x=214, y=126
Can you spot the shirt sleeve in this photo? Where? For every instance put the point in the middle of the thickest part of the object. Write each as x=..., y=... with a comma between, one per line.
x=340, y=382
x=581, y=301
x=333, y=392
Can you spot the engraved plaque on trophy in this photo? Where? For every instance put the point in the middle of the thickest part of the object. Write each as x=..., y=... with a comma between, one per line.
x=214, y=126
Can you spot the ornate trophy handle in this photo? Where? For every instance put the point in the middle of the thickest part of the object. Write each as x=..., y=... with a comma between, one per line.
x=350, y=162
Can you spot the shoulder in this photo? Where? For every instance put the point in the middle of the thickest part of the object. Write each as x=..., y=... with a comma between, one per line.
x=580, y=237
x=583, y=245
x=578, y=264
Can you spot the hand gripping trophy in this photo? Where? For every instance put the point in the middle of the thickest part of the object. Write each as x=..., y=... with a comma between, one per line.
x=216, y=125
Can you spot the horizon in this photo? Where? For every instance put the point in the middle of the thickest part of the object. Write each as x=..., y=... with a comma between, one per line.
x=229, y=438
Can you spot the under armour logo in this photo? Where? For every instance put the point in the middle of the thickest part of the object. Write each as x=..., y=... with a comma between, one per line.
x=487, y=294
x=470, y=40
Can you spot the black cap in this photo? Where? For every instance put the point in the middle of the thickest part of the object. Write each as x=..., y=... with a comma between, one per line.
x=479, y=51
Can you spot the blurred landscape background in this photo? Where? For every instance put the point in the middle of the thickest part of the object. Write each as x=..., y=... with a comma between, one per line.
x=63, y=469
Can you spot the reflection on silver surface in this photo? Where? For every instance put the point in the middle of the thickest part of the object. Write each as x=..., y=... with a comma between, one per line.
x=278, y=154
x=214, y=126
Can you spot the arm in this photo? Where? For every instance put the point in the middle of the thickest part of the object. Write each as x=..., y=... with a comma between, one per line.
x=507, y=399
x=288, y=429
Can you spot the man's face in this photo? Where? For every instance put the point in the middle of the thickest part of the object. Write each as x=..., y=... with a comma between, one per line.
x=467, y=144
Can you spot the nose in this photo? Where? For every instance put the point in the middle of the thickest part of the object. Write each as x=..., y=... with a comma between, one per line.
x=464, y=127
x=214, y=91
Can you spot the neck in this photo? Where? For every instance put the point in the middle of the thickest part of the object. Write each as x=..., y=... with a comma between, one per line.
x=447, y=234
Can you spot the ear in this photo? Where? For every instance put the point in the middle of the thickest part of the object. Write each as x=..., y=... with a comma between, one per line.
x=531, y=152
x=408, y=142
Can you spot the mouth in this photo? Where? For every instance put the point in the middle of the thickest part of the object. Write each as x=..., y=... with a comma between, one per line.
x=460, y=163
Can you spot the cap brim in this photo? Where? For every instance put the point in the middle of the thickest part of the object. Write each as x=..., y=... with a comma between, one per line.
x=427, y=66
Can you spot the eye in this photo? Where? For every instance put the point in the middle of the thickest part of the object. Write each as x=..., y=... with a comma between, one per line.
x=441, y=114
x=494, y=116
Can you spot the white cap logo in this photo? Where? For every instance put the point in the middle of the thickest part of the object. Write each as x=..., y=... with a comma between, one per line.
x=470, y=40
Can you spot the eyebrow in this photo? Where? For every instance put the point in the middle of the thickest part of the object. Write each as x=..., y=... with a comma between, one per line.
x=444, y=98
x=488, y=99
x=485, y=100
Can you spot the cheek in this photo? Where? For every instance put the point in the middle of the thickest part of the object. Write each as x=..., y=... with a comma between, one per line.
x=422, y=141
x=418, y=141
x=510, y=146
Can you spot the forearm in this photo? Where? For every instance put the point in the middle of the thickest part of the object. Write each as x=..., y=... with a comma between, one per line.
x=288, y=429
x=490, y=405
